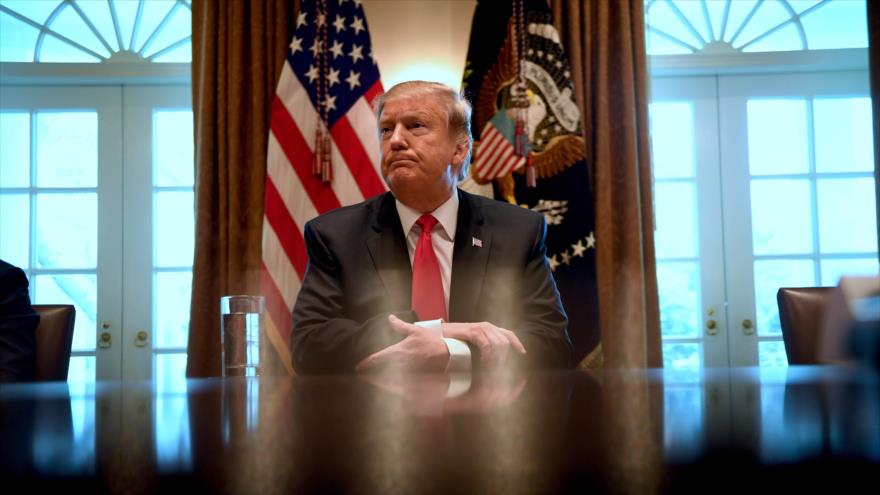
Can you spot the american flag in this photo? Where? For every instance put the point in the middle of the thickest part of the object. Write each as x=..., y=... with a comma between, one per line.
x=494, y=156
x=329, y=73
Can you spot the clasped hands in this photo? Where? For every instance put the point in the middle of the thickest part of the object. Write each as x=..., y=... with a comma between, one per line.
x=422, y=351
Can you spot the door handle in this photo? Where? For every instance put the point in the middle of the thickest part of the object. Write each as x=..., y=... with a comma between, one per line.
x=748, y=327
x=140, y=339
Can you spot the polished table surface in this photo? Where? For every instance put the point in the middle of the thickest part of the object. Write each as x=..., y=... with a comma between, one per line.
x=744, y=429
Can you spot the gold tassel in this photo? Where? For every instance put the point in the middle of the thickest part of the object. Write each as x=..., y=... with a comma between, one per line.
x=326, y=163
x=530, y=172
x=317, y=156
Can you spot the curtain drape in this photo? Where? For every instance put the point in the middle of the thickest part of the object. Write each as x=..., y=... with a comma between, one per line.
x=606, y=44
x=238, y=52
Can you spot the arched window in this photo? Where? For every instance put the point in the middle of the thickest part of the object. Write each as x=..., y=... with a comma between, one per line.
x=80, y=31
x=677, y=27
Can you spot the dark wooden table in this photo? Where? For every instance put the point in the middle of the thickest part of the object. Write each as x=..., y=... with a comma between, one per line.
x=801, y=429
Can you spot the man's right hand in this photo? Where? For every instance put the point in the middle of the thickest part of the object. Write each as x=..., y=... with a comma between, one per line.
x=494, y=343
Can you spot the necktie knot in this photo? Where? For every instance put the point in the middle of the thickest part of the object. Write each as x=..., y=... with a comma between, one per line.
x=427, y=223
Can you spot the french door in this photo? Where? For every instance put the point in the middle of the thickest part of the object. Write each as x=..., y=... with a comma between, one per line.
x=96, y=206
x=761, y=182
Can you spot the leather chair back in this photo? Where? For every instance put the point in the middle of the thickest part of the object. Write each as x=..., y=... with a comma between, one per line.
x=54, y=340
x=800, y=316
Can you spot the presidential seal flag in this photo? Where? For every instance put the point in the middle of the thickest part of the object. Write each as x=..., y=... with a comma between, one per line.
x=323, y=148
x=529, y=146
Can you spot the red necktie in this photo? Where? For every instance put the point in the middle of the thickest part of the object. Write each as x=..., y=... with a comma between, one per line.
x=427, y=286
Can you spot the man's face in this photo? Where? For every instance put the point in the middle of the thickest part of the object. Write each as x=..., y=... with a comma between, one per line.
x=420, y=159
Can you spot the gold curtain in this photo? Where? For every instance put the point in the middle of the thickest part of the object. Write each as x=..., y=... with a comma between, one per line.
x=606, y=44
x=238, y=52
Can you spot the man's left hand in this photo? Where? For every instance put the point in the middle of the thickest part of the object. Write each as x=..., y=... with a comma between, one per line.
x=419, y=351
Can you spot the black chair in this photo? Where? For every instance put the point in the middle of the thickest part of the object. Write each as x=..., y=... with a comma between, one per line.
x=800, y=316
x=54, y=340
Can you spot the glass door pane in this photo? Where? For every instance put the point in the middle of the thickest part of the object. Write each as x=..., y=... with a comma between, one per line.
x=159, y=249
x=688, y=219
x=798, y=194
x=60, y=187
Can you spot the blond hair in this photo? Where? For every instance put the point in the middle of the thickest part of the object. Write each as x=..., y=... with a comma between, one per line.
x=458, y=110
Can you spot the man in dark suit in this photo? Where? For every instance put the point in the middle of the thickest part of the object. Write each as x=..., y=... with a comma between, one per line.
x=18, y=324
x=427, y=277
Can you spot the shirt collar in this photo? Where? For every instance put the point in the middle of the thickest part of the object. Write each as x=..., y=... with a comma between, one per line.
x=446, y=215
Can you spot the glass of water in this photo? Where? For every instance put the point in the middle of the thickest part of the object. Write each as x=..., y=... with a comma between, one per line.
x=242, y=335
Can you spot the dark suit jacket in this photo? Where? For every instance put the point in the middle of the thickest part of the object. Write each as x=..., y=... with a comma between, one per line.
x=359, y=272
x=18, y=324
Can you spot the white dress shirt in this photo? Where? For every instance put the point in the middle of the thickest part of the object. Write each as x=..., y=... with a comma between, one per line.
x=442, y=240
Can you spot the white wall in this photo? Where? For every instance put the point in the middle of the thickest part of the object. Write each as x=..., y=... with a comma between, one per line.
x=420, y=39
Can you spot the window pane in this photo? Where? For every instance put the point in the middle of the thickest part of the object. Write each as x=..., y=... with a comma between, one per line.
x=832, y=270
x=839, y=24
x=126, y=12
x=693, y=12
x=770, y=275
x=785, y=39
x=777, y=137
x=35, y=11
x=55, y=50
x=682, y=356
x=81, y=373
x=173, y=152
x=67, y=149
x=67, y=230
x=679, y=286
x=844, y=141
x=150, y=19
x=99, y=14
x=770, y=15
x=17, y=39
x=661, y=16
x=14, y=229
x=174, y=230
x=71, y=25
x=781, y=216
x=79, y=290
x=177, y=28
x=772, y=353
x=171, y=296
x=672, y=139
x=847, y=216
x=15, y=153
x=181, y=54
x=676, y=235
x=169, y=372
x=739, y=11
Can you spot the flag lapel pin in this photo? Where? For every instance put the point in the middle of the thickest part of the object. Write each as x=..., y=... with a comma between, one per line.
x=476, y=242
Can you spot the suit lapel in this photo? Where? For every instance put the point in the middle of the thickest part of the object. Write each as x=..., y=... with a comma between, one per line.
x=387, y=247
x=469, y=258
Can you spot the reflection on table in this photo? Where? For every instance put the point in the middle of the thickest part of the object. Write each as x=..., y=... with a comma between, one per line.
x=622, y=431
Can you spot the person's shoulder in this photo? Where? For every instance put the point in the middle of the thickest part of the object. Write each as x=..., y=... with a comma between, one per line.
x=493, y=209
x=346, y=217
x=12, y=276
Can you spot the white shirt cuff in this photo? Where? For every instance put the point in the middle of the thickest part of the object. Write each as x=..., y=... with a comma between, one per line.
x=459, y=352
x=459, y=355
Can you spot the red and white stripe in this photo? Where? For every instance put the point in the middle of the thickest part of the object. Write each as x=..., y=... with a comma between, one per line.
x=495, y=157
x=294, y=195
